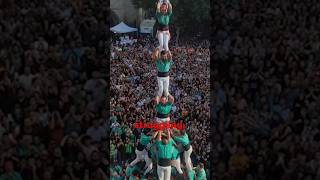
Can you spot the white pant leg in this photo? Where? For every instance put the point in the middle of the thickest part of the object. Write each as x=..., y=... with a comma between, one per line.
x=160, y=172
x=149, y=164
x=160, y=39
x=187, y=158
x=177, y=164
x=166, y=82
x=160, y=86
x=166, y=38
x=167, y=173
x=162, y=120
x=139, y=157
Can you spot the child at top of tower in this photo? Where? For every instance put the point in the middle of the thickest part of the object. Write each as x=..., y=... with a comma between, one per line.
x=163, y=14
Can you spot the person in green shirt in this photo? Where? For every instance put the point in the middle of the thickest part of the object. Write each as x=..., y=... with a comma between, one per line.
x=142, y=150
x=191, y=174
x=128, y=149
x=164, y=147
x=134, y=175
x=175, y=160
x=183, y=138
x=163, y=62
x=163, y=108
x=163, y=14
x=200, y=172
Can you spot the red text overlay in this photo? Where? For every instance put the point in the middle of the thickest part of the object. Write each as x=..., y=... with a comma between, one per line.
x=158, y=125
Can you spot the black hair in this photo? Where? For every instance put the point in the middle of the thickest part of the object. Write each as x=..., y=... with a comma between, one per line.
x=163, y=53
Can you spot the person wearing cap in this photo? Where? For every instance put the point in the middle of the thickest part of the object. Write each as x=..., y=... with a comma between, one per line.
x=163, y=14
x=163, y=62
x=164, y=146
x=142, y=151
x=183, y=138
x=200, y=172
x=163, y=108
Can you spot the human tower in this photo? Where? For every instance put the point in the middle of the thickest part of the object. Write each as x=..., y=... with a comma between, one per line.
x=165, y=146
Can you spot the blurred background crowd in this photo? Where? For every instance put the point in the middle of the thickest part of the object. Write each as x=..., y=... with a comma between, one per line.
x=53, y=90
x=266, y=90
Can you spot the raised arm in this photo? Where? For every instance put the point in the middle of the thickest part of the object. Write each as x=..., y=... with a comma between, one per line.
x=155, y=134
x=157, y=100
x=171, y=98
x=170, y=55
x=158, y=7
x=159, y=135
x=155, y=54
x=169, y=8
x=174, y=132
x=169, y=134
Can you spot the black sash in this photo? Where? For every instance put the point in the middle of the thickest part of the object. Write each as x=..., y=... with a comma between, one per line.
x=163, y=27
x=163, y=74
x=161, y=116
x=187, y=147
x=164, y=162
x=140, y=147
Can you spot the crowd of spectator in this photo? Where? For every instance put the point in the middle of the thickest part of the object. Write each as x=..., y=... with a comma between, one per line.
x=266, y=90
x=133, y=89
x=53, y=113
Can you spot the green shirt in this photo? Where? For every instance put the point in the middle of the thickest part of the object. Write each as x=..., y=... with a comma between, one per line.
x=191, y=174
x=164, y=109
x=201, y=174
x=11, y=176
x=184, y=140
x=112, y=150
x=165, y=151
x=175, y=153
x=163, y=19
x=144, y=139
x=128, y=148
x=130, y=170
x=163, y=66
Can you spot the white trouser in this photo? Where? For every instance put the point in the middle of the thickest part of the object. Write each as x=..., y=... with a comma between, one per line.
x=163, y=86
x=164, y=173
x=177, y=164
x=140, y=156
x=148, y=164
x=187, y=158
x=162, y=120
x=163, y=38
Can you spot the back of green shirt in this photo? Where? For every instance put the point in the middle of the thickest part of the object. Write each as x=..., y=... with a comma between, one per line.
x=163, y=66
x=175, y=153
x=201, y=174
x=184, y=140
x=164, y=108
x=191, y=174
x=163, y=19
x=144, y=139
x=130, y=170
x=164, y=151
